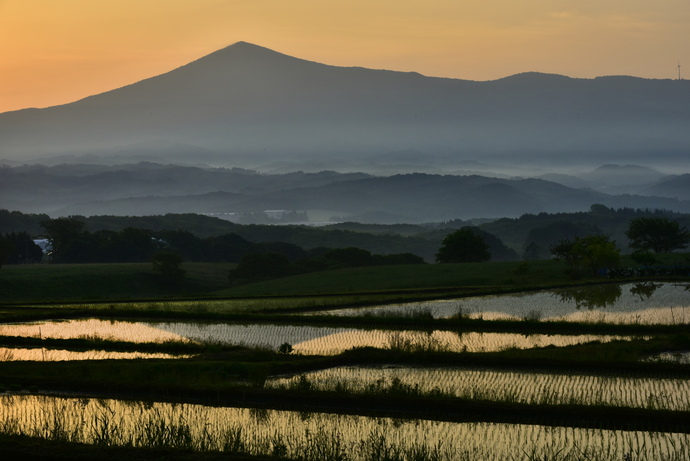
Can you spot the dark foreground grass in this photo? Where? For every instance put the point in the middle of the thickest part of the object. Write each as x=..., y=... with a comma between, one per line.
x=16, y=447
x=494, y=275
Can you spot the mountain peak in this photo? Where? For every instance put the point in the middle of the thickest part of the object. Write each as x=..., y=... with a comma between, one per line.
x=246, y=47
x=244, y=51
x=241, y=57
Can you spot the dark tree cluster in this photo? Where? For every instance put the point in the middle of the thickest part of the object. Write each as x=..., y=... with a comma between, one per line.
x=590, y=254
x=71, y=243
x=19, y=248
x=535, y=233
x=658, y=234
x=466, y=245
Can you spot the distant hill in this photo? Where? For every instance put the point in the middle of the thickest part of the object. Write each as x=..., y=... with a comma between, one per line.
x=248, y=106
x=152, y=189
x=673, y=186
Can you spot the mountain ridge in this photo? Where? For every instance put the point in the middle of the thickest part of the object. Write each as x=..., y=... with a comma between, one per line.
x=253, y=107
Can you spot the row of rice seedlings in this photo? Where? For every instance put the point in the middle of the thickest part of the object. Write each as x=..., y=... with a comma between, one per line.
x=503, y=386
x=306, y=340
x=316, y=436
x=671, y=315
x=11, y=354
x=625, y=304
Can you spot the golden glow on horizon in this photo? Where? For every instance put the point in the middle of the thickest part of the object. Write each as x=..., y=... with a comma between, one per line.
x=57, y=52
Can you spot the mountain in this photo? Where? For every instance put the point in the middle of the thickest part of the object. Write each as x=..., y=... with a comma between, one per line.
x=673, y=186
x=248, y=106
x=622, y=175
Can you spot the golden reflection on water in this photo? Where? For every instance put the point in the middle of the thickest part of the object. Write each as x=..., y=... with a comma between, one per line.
x=112, y=422
x=307, y=340
x=439, y=340
x=113, y=330
x=8, y=354
x=513, y=386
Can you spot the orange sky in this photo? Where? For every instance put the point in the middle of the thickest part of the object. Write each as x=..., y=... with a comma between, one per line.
x=54, y=52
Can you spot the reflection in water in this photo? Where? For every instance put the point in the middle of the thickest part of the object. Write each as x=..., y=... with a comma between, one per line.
x=8, y=354
x=307, y=340
x=590, y=297
x=644, y=290
x=666, y=303
x=111, y=330
x=292, y=435
x=437, y=340
x=497, y=385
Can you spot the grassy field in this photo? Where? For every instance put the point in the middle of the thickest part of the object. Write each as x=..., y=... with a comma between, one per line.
x=79, y=282
x=83, y=282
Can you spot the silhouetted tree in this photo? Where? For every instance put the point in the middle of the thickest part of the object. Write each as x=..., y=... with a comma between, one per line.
x=660, y=235
x=25, y=250
x=6, y=249
x=592, y=252
x=463, y=246
x=542, y=238
x=67, y=237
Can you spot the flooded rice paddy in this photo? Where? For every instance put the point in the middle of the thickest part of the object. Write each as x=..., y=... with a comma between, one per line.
x=301, y=435
x=638, y=303
x=306, y=340
x=10, y=354
x=308, y=435
x=499, y=385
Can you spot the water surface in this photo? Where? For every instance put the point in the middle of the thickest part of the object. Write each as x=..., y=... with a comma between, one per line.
x=631, y=303
x=309, y=340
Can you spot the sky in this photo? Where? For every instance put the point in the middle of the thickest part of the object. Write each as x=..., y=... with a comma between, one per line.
x=55, y=52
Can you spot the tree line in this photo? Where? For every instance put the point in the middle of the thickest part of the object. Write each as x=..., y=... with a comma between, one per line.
x=647, y=236
x=70, y=242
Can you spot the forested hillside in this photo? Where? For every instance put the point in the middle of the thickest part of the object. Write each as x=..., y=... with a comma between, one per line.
x=528, y=236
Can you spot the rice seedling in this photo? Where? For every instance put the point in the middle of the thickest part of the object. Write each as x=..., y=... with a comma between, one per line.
x=320, y=436
x=497, y=385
